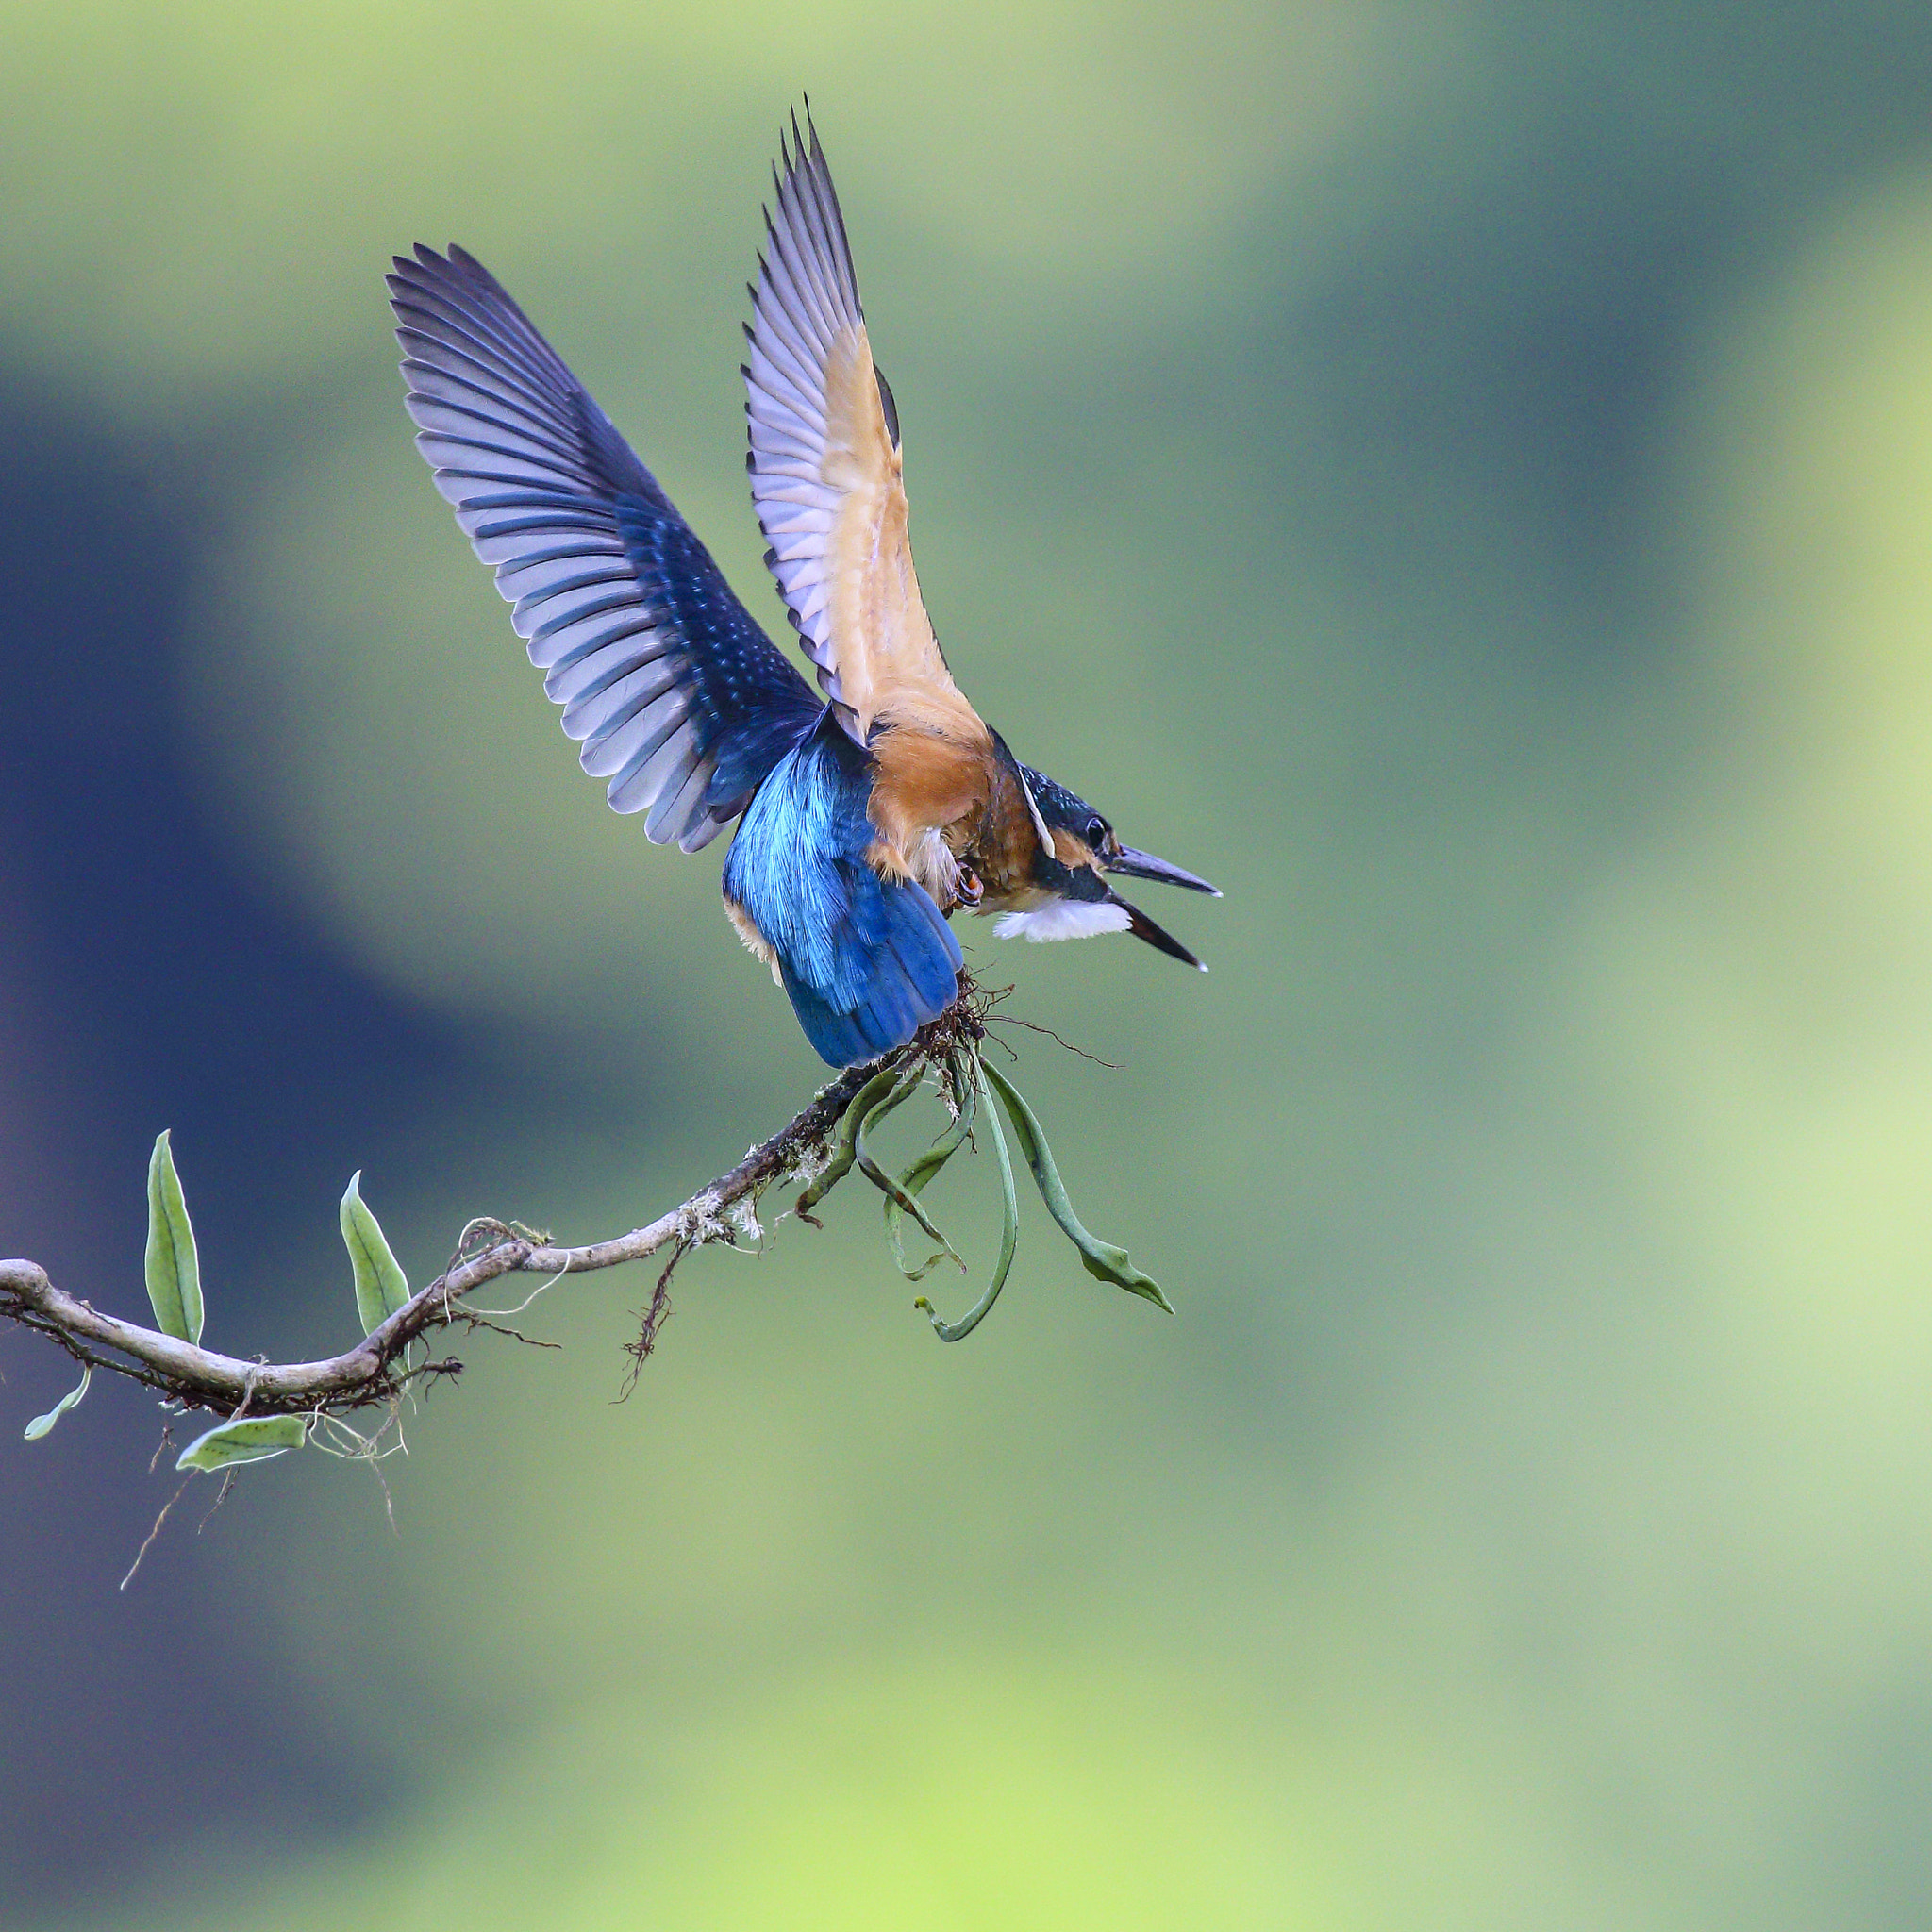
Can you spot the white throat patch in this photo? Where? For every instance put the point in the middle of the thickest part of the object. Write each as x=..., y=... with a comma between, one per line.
x=1064, y=919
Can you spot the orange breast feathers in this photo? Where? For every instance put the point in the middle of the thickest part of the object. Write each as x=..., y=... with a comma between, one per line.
x=937, y=803
x=930, y=796
x=1004, y=845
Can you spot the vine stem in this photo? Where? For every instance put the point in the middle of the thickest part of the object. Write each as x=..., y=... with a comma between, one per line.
x=373, y=1371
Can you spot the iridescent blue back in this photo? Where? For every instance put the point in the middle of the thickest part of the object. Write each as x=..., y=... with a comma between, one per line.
x=866, y=961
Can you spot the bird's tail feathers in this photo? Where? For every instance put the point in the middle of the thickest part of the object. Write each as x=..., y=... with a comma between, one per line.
x=906, y=974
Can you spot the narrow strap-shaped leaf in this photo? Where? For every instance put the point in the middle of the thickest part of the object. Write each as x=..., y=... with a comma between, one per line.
x=1009, y=1237
x=42, y=1423
x=874, y=1091
x=894, y=1193
x=1100, y=1258
x=174, y=1269
x=254, y=1439
x=911, y=1185
x=925, y=1168
x=381, y=1286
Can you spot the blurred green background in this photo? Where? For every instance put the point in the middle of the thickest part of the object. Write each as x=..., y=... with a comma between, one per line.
x=1460, y=476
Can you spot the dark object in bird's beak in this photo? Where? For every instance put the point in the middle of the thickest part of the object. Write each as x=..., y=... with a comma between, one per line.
x=1143, y=865
x=1144, y=928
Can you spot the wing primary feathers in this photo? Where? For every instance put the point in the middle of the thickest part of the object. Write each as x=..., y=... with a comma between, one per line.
x=503, y=317
x=681, y=700
x=426, y=343
x=433, y=303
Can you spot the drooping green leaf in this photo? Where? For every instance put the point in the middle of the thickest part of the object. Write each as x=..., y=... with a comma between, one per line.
x=869, y=1097
x=926, y=1168
x=381, y=1286
x=254, y=1439
x=1009, y=1239
x=174, y=1269
x=1100, y=1258
x=897, y=1196
x=913, y=1182
x=42, y=1423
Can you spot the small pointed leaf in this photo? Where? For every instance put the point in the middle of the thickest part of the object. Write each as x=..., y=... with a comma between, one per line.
x=42, y=1423
x=1100, y=1258
x=174, y=1269
x=381, y=1286
x=254, y=1439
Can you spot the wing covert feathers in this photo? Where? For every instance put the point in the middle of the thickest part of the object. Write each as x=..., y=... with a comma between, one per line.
x=826, y=471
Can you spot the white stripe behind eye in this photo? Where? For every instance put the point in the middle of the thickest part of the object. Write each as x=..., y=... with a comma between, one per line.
x=1039, y=822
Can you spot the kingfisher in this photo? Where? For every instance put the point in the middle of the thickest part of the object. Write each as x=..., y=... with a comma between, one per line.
x=868, y=810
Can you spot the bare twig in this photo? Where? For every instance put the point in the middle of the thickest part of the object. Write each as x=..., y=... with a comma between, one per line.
x=147, y=1543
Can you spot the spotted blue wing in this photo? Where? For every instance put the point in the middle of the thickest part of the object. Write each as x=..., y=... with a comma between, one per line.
x=679, y=698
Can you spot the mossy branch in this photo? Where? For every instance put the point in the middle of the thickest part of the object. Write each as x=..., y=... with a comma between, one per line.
x=374, y=1370
x=266, y=1407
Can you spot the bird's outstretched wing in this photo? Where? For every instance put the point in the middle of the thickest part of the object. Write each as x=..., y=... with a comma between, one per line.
x=682, y=702
x=826, y=469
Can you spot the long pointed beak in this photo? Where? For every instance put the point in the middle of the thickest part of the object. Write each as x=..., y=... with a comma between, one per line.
x=1158, y=937
x=1143, y=865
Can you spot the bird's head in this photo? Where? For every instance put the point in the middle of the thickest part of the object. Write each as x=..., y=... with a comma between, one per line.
x=1071, y=866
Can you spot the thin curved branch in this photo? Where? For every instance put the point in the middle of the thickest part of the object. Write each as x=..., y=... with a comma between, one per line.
x=374, y=1370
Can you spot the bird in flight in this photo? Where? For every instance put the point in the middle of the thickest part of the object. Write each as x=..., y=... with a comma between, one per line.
x=866, y=815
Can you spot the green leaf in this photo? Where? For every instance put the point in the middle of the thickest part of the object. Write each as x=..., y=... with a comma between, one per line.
x=254, y=1439
x=912, y=1183
x=1100, y=1258
x=42, y=1423
x=174, y=1269
x=885, y=1082
x=381, y=1286
x=895, y=1194
x=1009, y=1239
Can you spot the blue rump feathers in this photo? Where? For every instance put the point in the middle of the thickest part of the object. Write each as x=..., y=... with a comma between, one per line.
x=866, y=961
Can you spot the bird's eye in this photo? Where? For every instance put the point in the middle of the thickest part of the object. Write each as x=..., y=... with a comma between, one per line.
x=1097, y=830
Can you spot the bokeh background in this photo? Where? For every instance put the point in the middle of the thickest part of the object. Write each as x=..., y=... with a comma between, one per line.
x=1461, y=477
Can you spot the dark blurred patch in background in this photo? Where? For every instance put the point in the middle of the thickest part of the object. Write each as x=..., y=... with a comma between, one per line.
x=148, y=981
